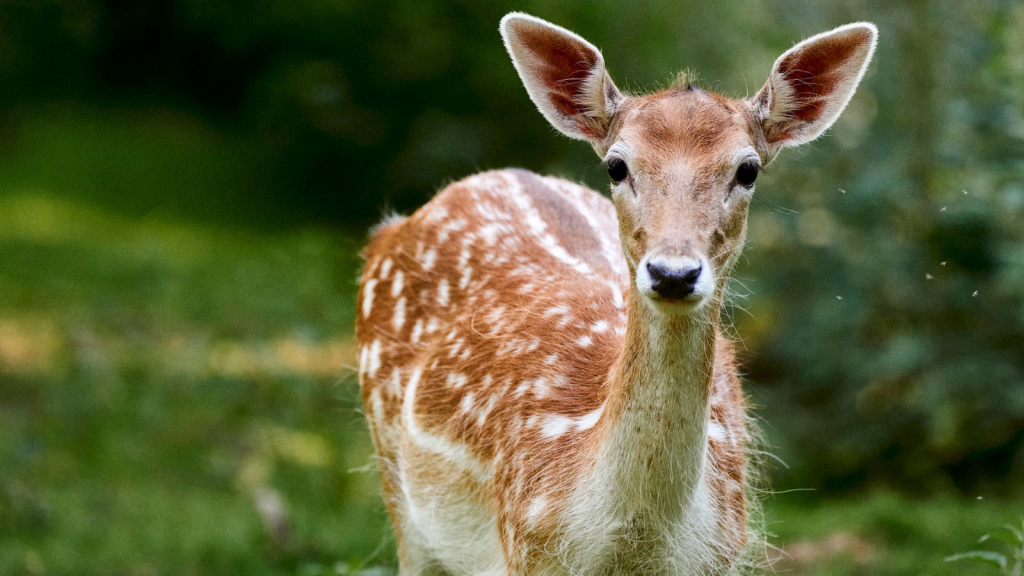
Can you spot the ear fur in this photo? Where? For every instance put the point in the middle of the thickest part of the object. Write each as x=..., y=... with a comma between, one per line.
x=563, y=74
x=810, y=85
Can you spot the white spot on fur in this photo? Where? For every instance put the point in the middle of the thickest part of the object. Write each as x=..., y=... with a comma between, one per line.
x=456, y=347
x=437, y=214
x=374, y=266
x=587, y=421
x=429, y=257
x=385, y=268
x=464, y=257
x=456, y=380
x=450, y=226
x=398, y=320
x=368, y=296
x=395, y=382
x=467, y=402
x=396, y=284
x=537, y=509
x=489, y=233
x=373, y=364
x=442, y=292
x=585, y=341
x=482, y=414
x=364, y=355
x=417, y=331
x=599, y=327
x=560, y=310
x=554, y=426
x=495, y=318
x=617, y=299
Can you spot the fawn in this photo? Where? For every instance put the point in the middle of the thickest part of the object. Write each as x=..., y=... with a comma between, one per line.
x=543, y=371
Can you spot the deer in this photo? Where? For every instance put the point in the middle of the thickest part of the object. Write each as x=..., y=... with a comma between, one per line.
x=544, y=371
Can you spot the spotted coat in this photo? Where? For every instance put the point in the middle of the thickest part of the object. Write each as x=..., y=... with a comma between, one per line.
x=489, y=325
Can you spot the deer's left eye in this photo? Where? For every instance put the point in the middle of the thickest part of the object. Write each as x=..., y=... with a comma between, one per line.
x=747, y=173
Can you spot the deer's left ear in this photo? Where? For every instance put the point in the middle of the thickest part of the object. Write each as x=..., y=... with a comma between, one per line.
x=811, y=84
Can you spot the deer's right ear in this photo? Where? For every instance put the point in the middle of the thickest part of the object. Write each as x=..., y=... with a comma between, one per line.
x=563, y=74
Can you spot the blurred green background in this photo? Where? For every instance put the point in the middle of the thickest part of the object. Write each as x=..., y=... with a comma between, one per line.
x=185, y=185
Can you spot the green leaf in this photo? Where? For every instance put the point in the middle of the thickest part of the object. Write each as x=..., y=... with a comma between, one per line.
x=1003, y=535
x=1016, y=532
x=984, y=557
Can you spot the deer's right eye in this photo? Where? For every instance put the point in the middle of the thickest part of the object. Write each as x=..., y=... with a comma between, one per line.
x=747, y=173
x=617, y=170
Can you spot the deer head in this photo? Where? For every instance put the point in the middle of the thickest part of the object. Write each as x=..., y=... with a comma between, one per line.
x=683, y=161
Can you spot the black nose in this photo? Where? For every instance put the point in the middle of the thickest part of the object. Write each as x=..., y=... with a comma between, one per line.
x=673, y=283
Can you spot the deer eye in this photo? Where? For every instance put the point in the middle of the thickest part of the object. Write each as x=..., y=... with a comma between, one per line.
x=617, y=170
x=747, y=173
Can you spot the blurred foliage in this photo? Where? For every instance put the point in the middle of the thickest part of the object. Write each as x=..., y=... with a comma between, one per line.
x=173, y=399
x=880, y=535
x=1009, y=561
x=184, y=187
x=889, y=340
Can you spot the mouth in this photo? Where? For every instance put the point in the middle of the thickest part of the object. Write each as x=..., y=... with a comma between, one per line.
x=676, y=306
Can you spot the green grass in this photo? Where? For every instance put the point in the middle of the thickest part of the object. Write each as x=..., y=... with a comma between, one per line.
x=883, y=534
x=155, y=377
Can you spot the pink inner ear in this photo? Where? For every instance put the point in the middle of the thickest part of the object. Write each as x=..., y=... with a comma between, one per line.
x=562, y=65
x=815, y=71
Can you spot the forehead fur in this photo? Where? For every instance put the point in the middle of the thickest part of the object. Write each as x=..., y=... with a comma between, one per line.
x=686, y=120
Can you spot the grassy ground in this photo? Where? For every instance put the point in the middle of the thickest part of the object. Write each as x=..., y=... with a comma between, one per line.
x=883, y=534
x=157, y=381
x=174, y=399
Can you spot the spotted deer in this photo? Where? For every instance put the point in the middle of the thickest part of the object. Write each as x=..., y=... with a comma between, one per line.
x=544, y=372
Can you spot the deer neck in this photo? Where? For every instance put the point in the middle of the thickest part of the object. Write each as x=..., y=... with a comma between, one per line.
x=655, y=437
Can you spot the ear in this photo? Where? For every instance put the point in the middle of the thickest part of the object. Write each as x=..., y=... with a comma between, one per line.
x=563, y=74
x=811, y=84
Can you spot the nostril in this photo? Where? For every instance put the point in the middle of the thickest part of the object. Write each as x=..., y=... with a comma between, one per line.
x=657, y=272
x=692, y=276
x=671, y=283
